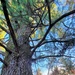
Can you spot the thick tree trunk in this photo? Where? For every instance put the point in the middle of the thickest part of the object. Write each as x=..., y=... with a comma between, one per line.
x=22, y=66
x=19, y=64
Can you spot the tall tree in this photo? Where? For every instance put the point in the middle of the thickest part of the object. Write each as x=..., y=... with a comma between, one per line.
x=31, y=25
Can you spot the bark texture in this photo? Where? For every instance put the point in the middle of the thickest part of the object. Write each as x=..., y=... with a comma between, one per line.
x=22, y=66
x=20, y=63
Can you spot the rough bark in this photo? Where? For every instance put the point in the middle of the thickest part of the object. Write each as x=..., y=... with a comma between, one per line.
x=22, y=66
x=19, y=63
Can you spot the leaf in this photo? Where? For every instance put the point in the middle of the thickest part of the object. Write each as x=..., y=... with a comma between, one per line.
x=2, y=49
x=2, y=34
x=33, y=35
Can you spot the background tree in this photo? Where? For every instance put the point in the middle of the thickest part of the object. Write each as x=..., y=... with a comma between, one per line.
x=36, y=30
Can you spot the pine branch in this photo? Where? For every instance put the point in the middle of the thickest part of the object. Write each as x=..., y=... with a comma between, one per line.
x=3, y=2
x=3, y=62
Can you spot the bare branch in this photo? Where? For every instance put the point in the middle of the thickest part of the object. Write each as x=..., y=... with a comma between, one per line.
x=51, y=41
x=63, y=16
x=49, y=11
x=6, y=48
x=50, y=56
x=4, y=29
x=3, y=62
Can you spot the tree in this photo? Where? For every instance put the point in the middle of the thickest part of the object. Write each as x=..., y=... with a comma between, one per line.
x=30, y=27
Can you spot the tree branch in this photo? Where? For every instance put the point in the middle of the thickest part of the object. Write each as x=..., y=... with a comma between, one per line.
x=3, y=62
x=4, y=29
x=63, y=16
x=47, y=3
x=6, y=48
x=50, y=26
x=42, y=57
x=49, y=11
x=49, y=42
x=3, y=2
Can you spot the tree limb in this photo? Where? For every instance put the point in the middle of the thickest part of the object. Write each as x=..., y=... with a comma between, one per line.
x=3, y=62
x=49, y=11
x=4, y=29
x=63, y=16
x=6, y=48
x=49, y=42
x=42, y=57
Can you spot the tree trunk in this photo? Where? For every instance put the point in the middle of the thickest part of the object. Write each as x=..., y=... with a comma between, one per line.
x=22, y=66
x=19, y=64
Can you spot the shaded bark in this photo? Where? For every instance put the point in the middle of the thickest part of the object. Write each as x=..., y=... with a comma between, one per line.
x=22, y=66
x=18, y=65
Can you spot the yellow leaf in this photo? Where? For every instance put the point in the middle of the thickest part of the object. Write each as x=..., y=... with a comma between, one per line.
x=2, y=34
x=2, y=49
x=32, y=20
x=33, y=35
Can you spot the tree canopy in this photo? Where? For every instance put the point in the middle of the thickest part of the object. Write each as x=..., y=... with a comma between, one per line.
x=49, y=25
